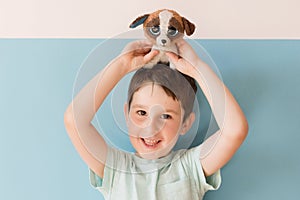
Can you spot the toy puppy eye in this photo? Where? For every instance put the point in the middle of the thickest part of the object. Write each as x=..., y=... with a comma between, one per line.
x=172, y=31
x=155, y=30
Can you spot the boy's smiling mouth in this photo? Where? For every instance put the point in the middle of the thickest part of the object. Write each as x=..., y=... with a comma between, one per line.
x=150, y=143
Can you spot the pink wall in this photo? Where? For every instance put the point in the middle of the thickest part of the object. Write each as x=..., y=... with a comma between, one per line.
x=255, y=19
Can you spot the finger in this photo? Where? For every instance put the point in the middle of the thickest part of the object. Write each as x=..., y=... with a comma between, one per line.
x=142, y=44
x=177, y=61
x=146, y=43
x=183, y=46
x=180, y=43
x=141, y=51
x=150, y=55
x=172, y=56
x=143, y=48
x=137, y=45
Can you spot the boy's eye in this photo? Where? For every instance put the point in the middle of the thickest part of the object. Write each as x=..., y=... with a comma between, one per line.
x=166, y=116
x=155, y=30
x=141, y=112
x=172, y=31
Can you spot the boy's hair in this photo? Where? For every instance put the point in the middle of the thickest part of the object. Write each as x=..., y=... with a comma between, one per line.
x=177, y=85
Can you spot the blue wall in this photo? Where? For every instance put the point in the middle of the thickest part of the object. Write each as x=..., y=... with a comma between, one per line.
x=38, y=160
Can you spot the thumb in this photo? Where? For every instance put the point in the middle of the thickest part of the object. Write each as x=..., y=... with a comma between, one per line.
x=173, y=57
x=150, y=55
x=178, y=62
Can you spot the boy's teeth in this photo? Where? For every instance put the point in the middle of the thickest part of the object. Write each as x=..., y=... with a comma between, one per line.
x=150, y=142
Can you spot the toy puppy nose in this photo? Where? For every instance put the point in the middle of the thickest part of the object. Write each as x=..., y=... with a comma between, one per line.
x=163, y=41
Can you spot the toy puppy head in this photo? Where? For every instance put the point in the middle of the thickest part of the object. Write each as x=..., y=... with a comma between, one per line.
x=163, y=27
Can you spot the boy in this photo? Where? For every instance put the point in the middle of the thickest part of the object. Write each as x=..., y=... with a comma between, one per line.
x=157, y=112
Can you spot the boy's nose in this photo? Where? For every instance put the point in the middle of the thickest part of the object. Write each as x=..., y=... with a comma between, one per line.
x=153, y=128
x=155, y=123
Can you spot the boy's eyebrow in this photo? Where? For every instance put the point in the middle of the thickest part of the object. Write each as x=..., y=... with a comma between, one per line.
x=138, y=106
x=172, y=111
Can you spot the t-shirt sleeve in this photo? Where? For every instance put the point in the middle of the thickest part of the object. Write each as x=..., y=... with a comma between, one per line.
x=102, y=184
x=114, y=159
x=212, y=182
x=95, y=180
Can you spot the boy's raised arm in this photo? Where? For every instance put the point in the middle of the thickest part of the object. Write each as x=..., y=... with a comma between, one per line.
x=79, y=114
x=218, y=149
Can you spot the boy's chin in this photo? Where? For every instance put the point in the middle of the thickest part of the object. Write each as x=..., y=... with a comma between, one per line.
x=154, y=155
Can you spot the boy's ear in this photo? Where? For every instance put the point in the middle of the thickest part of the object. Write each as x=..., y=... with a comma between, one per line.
x=138, y=21
x=187, y=124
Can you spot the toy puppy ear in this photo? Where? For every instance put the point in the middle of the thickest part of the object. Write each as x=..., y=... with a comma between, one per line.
x=138, y=21
x=189, y=27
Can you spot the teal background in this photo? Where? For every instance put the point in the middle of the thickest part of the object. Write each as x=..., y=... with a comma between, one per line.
x=38, y=160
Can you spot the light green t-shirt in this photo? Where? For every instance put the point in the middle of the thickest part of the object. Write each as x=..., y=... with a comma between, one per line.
x=178, y=175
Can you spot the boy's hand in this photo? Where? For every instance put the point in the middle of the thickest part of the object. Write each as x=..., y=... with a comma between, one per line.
x=136, y=54
x=187, y=61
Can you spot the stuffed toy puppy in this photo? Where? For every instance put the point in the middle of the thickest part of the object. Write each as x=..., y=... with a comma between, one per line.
x=163, y=28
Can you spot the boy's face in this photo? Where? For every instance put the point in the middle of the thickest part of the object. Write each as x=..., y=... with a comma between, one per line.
x=154, y=121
